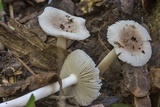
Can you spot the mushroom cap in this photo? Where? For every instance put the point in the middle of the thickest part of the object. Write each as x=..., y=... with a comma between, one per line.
x=58, y=23
x=89, y=84
x=131, y=42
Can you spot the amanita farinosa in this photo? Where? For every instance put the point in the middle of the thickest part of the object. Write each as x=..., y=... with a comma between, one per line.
x=79, y=75
x=62, y=25
x=131, y=43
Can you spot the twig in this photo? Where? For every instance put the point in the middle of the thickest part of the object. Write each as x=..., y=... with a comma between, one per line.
x=11, y=12
x=26, y=66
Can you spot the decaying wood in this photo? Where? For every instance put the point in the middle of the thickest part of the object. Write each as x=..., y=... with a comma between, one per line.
x=23, y=42
x=31, y=83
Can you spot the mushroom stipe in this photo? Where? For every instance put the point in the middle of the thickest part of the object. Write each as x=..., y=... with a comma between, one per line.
x=80, y=76
x=131, y=43
x=62, y=25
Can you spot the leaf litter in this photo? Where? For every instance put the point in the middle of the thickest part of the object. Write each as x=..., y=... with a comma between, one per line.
x=108, y=13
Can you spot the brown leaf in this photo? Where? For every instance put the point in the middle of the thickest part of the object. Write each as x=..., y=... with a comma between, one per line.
x=65, y=5
x=155, y=77
x=142, y=101
x=136, y=79
x=125, y=5
x=155, y=54
x=68, y=6
x=31, y=83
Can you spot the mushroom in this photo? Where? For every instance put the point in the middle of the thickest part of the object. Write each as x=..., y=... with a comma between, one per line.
x=62, y=25
x=88, y=84
x=131, y=43
x=80, y=76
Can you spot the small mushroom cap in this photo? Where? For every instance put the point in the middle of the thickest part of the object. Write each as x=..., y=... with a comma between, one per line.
x=58, y=23
x=131, y=42
x=89, y=84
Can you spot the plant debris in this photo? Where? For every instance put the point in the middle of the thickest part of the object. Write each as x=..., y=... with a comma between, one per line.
x=31, y=83
x=40, y=54
x=35, y=49
x=136, y=80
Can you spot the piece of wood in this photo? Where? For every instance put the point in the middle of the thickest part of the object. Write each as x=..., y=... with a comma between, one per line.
x=23, y=42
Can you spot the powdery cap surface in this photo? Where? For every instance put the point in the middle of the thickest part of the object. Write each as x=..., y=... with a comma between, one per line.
x=56, y=22
x=89, y=84
x=131, y=42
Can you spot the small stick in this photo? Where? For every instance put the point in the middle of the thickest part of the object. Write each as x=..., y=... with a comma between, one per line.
x=11, y=12
x=26, y=66
x=62, y=97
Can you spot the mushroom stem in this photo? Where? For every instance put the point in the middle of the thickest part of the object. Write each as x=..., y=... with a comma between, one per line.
x=41, y=92
x=61, y=42
x=107, y=61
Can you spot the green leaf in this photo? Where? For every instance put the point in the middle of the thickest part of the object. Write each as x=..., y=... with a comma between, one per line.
x=31, y=101
x=121, y=105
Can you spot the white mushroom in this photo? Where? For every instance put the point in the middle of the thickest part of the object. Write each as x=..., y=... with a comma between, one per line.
x=80, y=76
x=88, y=83
x=58, y=23
x=131, y=43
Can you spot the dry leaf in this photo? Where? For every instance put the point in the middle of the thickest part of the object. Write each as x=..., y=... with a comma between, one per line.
x=155, y=54
x=65, y=5
x=142, y=101
x=155, y=77
x=127, y=6
x=88, y=6
x=31, y=83
x=68, y=6
x=136, y=79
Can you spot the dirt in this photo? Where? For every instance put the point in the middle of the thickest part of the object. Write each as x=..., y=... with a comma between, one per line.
x=96, y=46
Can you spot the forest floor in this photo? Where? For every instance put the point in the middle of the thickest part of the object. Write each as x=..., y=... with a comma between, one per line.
x=121, y=83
